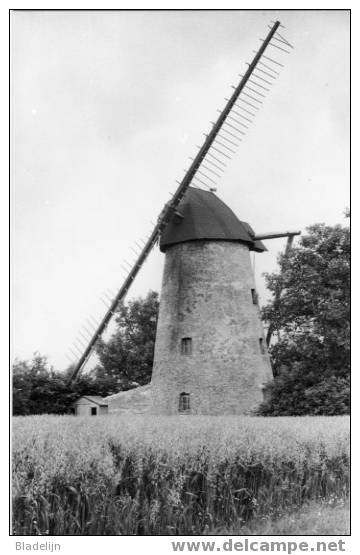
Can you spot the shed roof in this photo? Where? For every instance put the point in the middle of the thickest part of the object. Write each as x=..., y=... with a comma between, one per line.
x=205, y=216
x=140, y=390
x=93, y=399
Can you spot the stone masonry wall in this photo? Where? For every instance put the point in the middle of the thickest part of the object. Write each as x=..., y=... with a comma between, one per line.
x=206, y=296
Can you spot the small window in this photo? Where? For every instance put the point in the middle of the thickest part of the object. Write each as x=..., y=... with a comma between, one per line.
x=262, y=346
x=93, y=411
x=254, y=296
x=186, y=346
x=184, y=402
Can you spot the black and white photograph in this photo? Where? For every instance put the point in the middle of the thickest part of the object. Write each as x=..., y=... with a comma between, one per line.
x=180, y=276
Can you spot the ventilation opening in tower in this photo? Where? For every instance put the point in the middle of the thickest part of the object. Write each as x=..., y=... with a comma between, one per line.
x=186, y=346
x=184, y=402
x=254, y=296
x=261, y=345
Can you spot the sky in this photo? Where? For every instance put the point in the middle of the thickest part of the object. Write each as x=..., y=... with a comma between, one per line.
x=107, y=108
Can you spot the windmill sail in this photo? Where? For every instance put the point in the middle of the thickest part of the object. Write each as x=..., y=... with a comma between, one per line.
x=210, y=161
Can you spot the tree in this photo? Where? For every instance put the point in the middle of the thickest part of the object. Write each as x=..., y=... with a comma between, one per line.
x=21, y=387
x=310, y=311
x=127, y=358
x=38, y=389
x=126, y=361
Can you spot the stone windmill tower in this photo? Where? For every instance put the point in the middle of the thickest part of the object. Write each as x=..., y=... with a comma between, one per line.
x=210, y=353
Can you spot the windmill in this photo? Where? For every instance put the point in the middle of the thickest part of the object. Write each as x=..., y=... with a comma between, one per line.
x=172, y=230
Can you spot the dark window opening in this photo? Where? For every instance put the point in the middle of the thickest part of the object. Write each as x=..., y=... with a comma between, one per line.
x=262, y=346
x=254, y=296
x=93, y=411
x=184, y=402
x=186, y=346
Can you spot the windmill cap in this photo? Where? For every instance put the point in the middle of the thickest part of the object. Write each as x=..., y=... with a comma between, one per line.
x=202, y=215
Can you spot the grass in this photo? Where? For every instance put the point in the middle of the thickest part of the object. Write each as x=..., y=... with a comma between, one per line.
x=326, y=518
x=182, y=476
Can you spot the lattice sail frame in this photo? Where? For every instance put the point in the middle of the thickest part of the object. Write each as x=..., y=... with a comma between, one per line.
x=219, y=144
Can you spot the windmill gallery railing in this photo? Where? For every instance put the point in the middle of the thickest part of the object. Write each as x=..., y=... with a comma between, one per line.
x=219, y=144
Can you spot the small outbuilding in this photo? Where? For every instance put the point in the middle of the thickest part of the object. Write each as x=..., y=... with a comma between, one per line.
x=90, y=405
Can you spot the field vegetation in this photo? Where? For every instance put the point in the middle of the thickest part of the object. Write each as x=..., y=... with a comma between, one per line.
x=172, y=475
x=330, y=517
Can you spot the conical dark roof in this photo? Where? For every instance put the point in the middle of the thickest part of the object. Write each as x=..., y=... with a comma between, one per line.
x=205, y=216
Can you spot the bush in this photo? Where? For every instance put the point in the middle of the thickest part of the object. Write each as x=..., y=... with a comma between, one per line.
x=290, y=395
